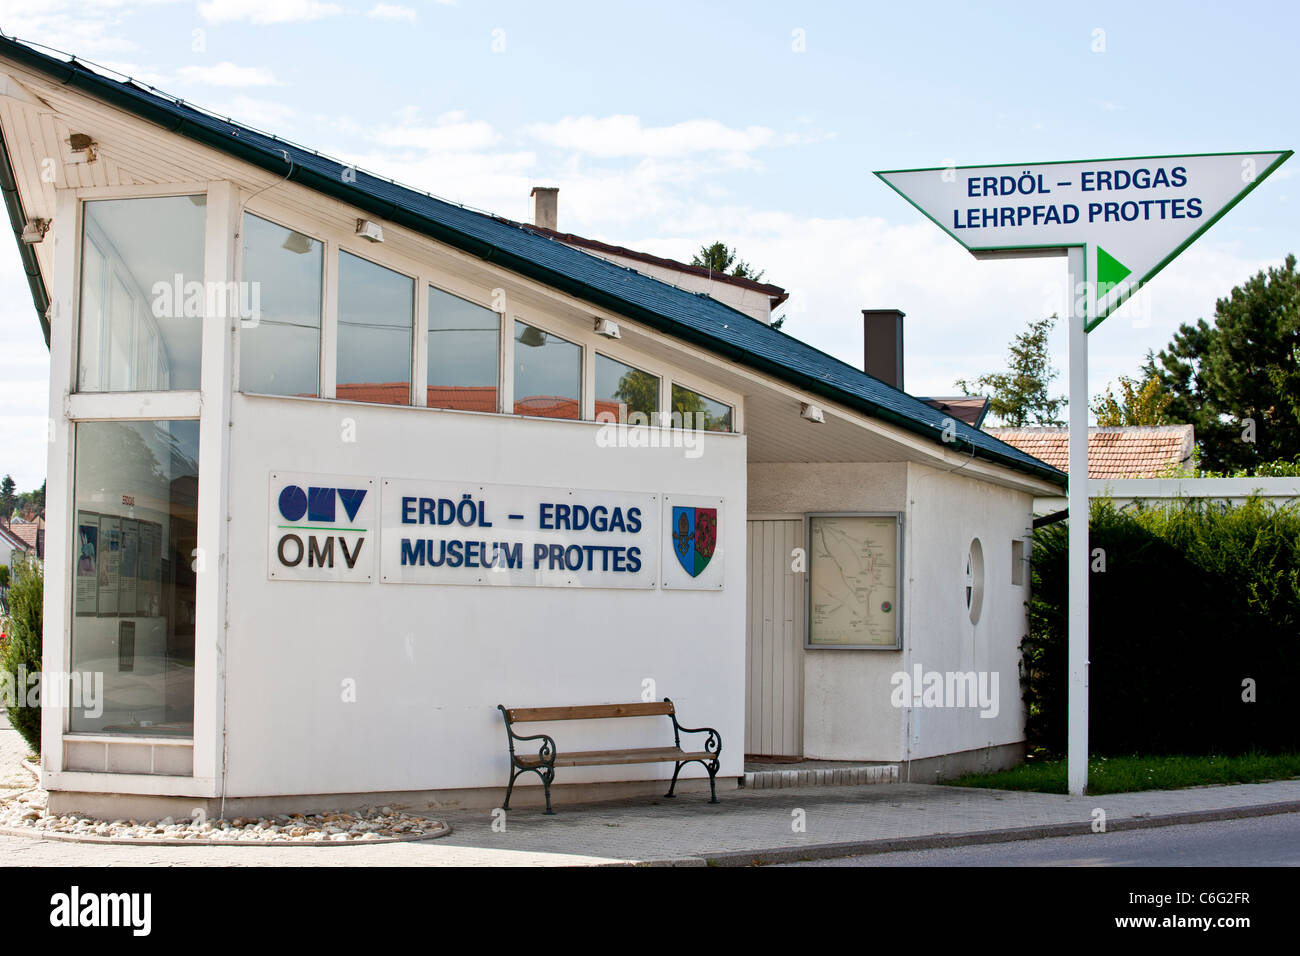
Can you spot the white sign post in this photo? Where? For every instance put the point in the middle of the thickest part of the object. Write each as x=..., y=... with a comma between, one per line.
x=1118, y=222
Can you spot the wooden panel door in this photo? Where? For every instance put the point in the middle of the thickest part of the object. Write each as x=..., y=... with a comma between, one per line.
x=774, y=640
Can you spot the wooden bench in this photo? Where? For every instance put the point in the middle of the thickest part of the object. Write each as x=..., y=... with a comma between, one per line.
x=549, y=756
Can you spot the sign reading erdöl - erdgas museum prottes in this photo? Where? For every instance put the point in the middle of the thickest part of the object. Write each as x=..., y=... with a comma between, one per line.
x=438, y=532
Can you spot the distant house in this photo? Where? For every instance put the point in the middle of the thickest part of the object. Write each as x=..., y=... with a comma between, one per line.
x=757, y=299
x=21, y=538
x=1138, y=451
x=1114, y=453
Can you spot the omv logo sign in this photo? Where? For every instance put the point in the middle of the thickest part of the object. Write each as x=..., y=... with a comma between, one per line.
x=321, y=526
x=318, y=504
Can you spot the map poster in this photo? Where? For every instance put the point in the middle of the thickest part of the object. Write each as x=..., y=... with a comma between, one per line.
x=854, y=565
x=127, y=582
x=110, y=563
x=87, y=563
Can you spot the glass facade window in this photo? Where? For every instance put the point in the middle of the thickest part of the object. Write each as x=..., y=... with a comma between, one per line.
x=133, y=584
x=693, y=410
x=142, y=294
x=279, y=334
x=464, y=354
x=548, y=374
x=375, y=332
x=625, y=394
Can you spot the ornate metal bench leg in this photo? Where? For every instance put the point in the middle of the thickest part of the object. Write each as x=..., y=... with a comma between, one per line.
x=713, y=773
x=673, y=786
x=510, y=789
x=546, y=785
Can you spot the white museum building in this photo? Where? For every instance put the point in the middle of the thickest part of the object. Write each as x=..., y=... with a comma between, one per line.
x=337, y=467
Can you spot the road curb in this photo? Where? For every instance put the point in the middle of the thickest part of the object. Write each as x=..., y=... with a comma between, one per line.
x=828, y=851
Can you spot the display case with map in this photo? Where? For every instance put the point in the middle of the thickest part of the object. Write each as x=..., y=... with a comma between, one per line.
x=854, y=581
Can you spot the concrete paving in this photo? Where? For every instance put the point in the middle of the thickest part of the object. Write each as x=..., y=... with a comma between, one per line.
x=747, y=826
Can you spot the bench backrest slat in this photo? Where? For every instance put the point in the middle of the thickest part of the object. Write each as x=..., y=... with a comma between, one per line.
x=589, y=712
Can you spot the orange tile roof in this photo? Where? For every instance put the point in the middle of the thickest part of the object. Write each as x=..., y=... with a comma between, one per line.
x=1137, y=451
x=27, y=533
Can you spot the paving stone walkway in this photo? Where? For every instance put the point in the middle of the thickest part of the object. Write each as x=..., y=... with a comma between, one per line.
x=770, y=825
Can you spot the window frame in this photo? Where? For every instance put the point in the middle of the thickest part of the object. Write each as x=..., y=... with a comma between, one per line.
x=501, y=348
x=454, y=274
x=92, y=233
x=417, y=311
x=584, y=350
x=660, y=377
x=324, y=291
x=679, y=383
x=70, y=594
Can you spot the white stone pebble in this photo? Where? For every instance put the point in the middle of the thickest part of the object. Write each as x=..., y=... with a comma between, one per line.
x=27, y=811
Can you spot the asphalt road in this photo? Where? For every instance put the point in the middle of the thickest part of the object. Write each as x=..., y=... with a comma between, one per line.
x=1258, y=841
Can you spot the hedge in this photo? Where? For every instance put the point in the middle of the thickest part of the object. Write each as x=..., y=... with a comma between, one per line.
x=1197, y=603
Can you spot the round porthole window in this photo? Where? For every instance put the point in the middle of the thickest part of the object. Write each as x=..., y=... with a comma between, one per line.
x=975, y=580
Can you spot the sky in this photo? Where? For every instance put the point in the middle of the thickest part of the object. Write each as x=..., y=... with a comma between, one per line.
x=668, y=126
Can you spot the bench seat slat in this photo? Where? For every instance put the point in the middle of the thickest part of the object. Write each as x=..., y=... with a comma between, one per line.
x=597, y=758
x=590, y=711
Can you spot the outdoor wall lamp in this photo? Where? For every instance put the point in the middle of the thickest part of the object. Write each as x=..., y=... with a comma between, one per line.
x=371, y=230
x=35, y=231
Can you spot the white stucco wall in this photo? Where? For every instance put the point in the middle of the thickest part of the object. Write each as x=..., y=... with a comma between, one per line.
x=946, y=510
x=848, y=714
x=431, y=662
x=846, y=692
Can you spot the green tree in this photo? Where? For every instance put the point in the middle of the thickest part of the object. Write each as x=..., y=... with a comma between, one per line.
x=7, y=497
x=1238, y=380
x=1020, y=395
x=718, y=258
x=20, y=653
x=1143, y=401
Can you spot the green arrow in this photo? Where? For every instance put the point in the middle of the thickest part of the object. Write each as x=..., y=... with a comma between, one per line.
x=1110, y=272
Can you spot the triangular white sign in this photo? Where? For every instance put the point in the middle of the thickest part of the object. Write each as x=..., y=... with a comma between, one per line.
x=1133, y=216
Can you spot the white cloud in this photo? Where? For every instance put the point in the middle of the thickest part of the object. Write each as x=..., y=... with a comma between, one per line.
x=88, y=28
x=228, y=74
x=268, y=115
x=458, y=135
x=266, y=11
x=388, y=11
x=24, y=380
x=623, y=135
